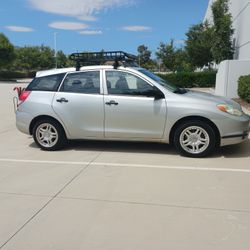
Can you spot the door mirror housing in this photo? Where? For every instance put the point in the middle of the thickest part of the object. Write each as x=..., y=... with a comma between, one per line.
x=157, y=94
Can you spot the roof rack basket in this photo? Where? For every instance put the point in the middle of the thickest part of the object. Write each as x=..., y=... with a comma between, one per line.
x=99, y=58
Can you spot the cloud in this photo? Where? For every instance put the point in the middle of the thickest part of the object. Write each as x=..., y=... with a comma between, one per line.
x=90, y=32
x=81, y=9
x=19, y=29
x=137, y=28
x=68, y=25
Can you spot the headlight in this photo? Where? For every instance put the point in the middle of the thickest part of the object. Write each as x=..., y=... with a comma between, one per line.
x=229, y=109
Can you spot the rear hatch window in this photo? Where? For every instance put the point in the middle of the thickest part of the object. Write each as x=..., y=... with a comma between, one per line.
x=46, y=83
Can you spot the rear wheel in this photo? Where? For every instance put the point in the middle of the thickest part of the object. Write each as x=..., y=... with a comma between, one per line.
x=195, y=139
x=49, y=135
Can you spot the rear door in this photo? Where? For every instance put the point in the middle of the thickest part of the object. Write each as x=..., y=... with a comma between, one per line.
x=79, y=104
x=130, y=112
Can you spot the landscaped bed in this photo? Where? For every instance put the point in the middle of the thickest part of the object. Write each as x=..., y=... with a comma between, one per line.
x=242, y=103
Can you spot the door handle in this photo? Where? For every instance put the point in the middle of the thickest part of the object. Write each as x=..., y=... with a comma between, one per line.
x=111, y=103
x=62, y=100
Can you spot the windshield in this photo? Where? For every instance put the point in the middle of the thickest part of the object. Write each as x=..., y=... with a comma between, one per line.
x=169, y=86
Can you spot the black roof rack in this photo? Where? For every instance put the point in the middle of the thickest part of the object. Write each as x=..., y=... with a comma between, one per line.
x=98, y=58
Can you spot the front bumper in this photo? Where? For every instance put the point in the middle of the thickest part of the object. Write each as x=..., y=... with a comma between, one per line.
x=234, y=130
x=234, y=139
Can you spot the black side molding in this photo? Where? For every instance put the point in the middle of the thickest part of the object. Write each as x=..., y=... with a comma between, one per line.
x=244, y=135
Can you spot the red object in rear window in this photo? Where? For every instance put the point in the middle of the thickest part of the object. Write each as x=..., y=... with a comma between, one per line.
x=24, y=96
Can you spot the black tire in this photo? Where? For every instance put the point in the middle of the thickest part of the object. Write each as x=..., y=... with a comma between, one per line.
x=208, y=137
x=57, y=130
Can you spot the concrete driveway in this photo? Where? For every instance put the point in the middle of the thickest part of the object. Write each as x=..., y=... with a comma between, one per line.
x=119, y=196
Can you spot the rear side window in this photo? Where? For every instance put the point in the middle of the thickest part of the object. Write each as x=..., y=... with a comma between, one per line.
x=83, y=82
x=46, y=83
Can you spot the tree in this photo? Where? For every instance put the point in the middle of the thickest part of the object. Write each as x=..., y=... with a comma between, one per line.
x=174, y=59
x=144, y=55
x=199, y=45
x=70, y=63
x=34, y=58
x=182, y=62
x=222, y=48
x=47, y=59
x=62, y=59
x=166, y=53
x=6, y=51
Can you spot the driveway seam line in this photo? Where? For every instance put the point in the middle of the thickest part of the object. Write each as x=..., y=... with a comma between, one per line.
x=49, y=201
x=128, y=202
x=23, y=194
x=155, y=204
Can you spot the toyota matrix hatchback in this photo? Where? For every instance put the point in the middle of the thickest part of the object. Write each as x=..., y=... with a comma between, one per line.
x=125, y=103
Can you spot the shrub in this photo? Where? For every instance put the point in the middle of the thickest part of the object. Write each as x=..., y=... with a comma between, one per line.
x=191, y=79
x=244, y=88
x=10, y=75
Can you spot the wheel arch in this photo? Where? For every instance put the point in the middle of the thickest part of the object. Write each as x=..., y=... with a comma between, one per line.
x=43, y=117
x=194, y=118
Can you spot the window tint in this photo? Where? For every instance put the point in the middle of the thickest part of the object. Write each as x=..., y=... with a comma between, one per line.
x=46, y=83
x=126, y=84
x=83, y=82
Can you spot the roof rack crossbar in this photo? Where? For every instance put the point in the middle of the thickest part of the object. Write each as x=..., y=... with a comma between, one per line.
x=92, y=58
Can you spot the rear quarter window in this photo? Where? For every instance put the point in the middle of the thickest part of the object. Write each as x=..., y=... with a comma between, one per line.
x=46, y=83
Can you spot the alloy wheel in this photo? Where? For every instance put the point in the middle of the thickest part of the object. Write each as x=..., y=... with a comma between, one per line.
x=46, y=135
x=194, y=139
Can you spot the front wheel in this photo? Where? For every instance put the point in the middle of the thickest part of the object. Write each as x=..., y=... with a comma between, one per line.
x=49, y=135
x=195, y=139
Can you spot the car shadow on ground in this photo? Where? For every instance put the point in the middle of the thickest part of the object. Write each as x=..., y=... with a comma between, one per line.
x=123, y=147
x=234, y=151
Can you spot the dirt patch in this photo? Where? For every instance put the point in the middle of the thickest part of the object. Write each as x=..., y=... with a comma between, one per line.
x=242, y=103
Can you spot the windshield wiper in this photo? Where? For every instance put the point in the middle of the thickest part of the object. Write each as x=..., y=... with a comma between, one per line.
x=180, y=91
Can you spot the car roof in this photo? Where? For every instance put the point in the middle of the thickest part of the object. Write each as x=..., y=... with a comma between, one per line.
x=73, y=69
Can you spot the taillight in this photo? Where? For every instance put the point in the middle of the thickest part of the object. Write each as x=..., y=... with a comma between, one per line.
x=24, y=95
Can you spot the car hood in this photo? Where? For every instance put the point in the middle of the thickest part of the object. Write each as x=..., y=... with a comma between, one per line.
x=197, y=95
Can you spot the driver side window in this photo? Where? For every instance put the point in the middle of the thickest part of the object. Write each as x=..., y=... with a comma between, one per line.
x=122, y=83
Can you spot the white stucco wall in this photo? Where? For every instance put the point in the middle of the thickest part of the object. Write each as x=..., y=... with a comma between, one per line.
x=228, y=75
x=240, y=10
x=229, y=71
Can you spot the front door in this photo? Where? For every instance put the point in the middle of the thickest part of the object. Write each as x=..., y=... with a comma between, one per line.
x=130, y=112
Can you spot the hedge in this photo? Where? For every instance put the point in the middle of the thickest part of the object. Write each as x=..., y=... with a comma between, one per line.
x=11, y=75
x=184, y=80
x=244, y=88
x=191, y=79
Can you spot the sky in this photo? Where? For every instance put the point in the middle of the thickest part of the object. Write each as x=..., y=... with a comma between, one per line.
x=93, y=25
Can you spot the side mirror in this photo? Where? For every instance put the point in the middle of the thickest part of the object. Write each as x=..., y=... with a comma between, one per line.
x=158, y=94
x=155, y=93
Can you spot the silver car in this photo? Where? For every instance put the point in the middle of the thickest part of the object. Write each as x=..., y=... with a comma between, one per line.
x=126, y=104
